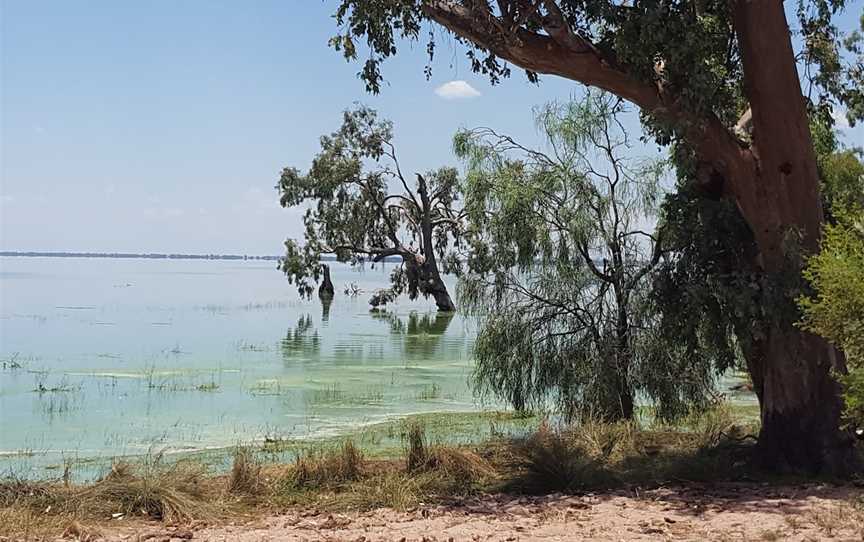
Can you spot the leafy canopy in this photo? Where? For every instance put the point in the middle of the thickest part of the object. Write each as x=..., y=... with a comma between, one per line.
x=362, y=207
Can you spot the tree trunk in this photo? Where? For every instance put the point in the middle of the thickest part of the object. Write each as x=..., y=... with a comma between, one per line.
x=326, y=289
x=438, y=290
x=777, y=190
x=623, y=355
x=431, y=284
x=430, y=278
x=799, y=403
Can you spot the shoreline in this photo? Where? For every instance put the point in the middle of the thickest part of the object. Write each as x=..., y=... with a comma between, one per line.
x=621, y=475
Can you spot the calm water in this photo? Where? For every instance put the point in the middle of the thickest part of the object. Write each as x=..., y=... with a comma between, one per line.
x=101, y=357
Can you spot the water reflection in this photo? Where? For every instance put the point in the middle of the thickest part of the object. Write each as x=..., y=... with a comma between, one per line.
x=326, y=302
x=420, y=335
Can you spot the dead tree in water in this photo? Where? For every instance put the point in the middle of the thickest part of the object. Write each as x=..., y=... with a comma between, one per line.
x=326, y=288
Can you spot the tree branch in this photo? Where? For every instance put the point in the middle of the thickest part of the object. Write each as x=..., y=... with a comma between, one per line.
x=384, y=253
x=583, y=250
x=579, y=61
x=655, y=258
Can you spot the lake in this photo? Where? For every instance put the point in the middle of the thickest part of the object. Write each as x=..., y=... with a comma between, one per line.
x=107, y=357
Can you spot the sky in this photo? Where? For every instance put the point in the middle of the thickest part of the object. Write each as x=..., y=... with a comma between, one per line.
x=162, y=126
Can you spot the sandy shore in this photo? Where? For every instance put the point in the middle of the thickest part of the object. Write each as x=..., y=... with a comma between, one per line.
x=723, y=512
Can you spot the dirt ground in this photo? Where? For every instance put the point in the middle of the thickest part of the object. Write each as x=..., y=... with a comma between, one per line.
x=723, y=512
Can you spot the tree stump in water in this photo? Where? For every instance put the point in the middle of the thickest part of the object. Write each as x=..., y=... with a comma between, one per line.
x=326, y=289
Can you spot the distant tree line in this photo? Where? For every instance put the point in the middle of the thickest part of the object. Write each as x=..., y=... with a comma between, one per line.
x=133, y=255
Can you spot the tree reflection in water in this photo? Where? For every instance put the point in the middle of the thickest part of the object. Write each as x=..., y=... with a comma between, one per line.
x=301, y=339
x=420, y=334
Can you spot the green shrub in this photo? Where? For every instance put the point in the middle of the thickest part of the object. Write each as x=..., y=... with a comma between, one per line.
x=836, y=310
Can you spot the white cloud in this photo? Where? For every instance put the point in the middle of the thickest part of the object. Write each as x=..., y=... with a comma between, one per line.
x=457, y=90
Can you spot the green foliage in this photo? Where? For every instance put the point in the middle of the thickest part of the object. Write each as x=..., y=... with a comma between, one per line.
x=833, y=62
x=689, y=47
x=705, y=288
x=837, y=275
x=558, y=268
x=713, y=298
x=836, y=310
x=853, y=396
x=360, y=207
x=842, y=180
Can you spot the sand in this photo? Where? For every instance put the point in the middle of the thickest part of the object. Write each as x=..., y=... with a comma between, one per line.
x=692, y=512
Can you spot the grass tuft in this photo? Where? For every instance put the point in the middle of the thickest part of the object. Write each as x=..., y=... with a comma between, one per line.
x=557, y=461
x=328, y=468
x=245, y=477
x=172, y=493
x=457, y=464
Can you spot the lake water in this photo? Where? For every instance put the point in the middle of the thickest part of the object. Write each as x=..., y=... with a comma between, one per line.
x=104, y=357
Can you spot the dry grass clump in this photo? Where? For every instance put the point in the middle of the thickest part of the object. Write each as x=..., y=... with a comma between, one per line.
x=31, y=509
x=341, y=479
x=169, y=493
x=245, y=477
x=327, y=468
x=558, y=461
x=20, y=521
x=597, y=454
x=15, y=490
x=388, y=489
x=458, y=464
x=604, y=441
x=416, y=451
x=175, y=493
x=710, y=427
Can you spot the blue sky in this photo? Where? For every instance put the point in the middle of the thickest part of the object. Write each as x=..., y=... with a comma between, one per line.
x=162, y=126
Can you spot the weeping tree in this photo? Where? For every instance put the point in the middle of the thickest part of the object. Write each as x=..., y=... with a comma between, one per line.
x=718, y=81
x=361, y=207
x=561, y=251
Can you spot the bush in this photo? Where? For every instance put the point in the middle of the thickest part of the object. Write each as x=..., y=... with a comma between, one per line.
x=836, y=310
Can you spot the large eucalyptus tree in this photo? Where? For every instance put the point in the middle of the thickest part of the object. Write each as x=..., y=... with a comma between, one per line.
x=717, y=79
x=362, y=207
